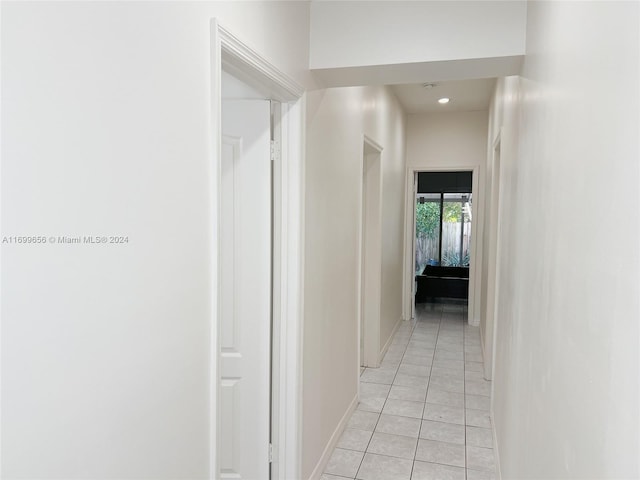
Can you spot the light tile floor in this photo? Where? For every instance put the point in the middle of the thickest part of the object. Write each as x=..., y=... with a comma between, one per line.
x=424, y=414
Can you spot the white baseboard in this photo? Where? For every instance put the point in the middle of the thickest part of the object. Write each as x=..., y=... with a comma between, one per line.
x=496, y=451
x=389, y=340
x=326, y=454
x=484, y=356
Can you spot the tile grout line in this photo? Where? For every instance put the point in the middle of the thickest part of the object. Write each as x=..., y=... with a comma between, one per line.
x=464, y=393
x=435, y=346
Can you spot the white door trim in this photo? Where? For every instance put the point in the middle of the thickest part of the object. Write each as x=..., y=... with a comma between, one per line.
x=230, y=53
x=476, y=253
x=493, y=209
x=372, y=345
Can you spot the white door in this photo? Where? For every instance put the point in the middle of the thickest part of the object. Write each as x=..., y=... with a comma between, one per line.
x=245, y=300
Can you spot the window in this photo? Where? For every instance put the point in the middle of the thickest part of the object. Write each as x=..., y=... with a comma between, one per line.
x=456, y=230
x=427, y=230
x=443, y=229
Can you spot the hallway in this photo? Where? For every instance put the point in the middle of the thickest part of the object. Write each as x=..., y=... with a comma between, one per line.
x=424, y=414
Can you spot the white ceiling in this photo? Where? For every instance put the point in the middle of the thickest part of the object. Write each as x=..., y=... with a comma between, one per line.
x=465, y=95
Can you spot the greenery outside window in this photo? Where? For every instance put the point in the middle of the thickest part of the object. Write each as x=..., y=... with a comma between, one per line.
x=443, y=230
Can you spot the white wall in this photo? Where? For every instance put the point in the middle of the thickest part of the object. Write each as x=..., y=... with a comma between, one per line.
x=106, y=130
x=360, y=33
x=566, y=380
x=450, y=140
x=456, y=139
x=390, y=42
x=336, y=122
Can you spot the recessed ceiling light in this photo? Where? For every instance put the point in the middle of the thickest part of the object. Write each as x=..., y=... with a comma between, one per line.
x=443, y=100
x=428, y=86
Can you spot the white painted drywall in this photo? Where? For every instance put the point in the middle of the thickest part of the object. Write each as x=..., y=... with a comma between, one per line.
x=366, y=33
x=452, y=140
x=456, y=139
x=567, y=368
x=336, y=122
x=106, y=131
x=385, y=122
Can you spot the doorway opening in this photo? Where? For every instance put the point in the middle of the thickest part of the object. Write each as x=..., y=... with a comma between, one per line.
x=370, y=254
x=256, y=264
x=442, y=240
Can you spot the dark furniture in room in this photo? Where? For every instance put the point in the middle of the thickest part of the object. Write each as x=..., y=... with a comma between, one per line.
x=442, y=282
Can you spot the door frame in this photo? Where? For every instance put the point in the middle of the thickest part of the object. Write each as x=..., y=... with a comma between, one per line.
x=493, y=219
x=475, y=262
x=371, y=339
x=228, y=52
